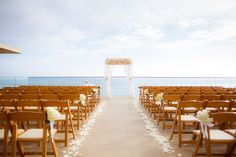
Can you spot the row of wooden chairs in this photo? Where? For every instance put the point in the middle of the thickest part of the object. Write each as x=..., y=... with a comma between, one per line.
x=43, y=89
x=187, y=90
x=89, y=106
x=68, y=105
x=181, y=110
x=148, y=101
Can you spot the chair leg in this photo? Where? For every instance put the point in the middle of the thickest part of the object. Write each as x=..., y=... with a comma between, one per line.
x=44, y=142
x=14, y=136
x=173, y=129
x=5, y=142
x=54, y=147
x=159, y=115
x=208, y=147
x=66, y=130
x=163, y=120
x=72, y=126
x=197, y=145
x=180, y=133
x=230, y=149
x=78, y=119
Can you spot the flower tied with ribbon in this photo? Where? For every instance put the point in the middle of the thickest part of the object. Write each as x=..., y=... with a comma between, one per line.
x=82, y=99
x=52, y=115
x=205, y=121
x=145, y=92
x=159, y=98
x=95, y=90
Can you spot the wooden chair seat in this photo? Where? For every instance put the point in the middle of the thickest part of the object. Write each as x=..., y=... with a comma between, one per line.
x=74, y=108
x=170, y=108
x=63, y=117
x=34, y=134
x=218, y=135
x=190, y=109
x=31, y=108
x=211, y=109
x=188, y=118
x=19, y=131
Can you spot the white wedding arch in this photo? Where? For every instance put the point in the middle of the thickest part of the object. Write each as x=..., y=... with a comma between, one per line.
x=128, y=69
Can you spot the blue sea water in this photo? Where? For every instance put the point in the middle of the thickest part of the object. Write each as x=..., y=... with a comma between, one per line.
x=119, y=85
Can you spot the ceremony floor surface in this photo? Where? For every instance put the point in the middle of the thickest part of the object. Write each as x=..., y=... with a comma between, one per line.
x=120, y=131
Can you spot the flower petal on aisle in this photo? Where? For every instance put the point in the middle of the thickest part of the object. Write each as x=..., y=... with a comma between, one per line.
x=153, y=132
x=73, y=148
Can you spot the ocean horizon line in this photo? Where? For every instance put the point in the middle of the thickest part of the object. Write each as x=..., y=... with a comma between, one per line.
x=118, y=77
x=133, y=77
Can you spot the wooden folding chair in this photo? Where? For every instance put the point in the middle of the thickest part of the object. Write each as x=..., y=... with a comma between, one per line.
x=66, y=117
x=222, y=135
x=74, y=107
x=33, y=135
x=168, y=108
x=182, y=117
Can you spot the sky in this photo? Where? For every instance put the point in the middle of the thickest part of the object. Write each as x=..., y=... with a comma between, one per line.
x=164, y=38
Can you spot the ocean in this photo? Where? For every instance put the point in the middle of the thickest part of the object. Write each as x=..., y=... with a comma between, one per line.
x=119, y=85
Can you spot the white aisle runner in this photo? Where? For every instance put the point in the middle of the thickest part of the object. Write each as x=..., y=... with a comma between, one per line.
x=119, y=131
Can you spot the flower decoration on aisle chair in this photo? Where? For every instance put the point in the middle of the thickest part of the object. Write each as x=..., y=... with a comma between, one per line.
x=159, y=98
x=52, y=116
x=205, y=121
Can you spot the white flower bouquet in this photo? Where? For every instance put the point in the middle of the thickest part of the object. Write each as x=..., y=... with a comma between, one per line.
x=82, y=99
x=145, y=92
x=159, y=98
x=204, y=117
x=52, y=114
x=205, y=121
x=95, y=90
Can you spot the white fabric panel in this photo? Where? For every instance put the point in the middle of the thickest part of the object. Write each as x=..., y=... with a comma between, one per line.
x=129, y=74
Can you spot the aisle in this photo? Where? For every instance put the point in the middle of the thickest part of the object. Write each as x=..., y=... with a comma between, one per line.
x=120, y=132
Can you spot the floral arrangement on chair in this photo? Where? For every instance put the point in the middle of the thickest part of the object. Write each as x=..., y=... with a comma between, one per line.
x=159, y=98
x=82, y=99
x=95, y=90
x=52, y=115
x=145, y=92
x=205, y=121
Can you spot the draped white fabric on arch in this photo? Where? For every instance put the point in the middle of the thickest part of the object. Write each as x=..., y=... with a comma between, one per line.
x=128, y=69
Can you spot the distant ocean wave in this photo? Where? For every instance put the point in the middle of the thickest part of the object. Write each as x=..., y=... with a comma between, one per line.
x=119, y=85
